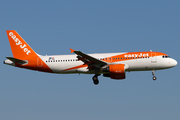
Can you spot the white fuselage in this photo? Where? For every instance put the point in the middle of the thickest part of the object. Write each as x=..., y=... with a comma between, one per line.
x=62, y=63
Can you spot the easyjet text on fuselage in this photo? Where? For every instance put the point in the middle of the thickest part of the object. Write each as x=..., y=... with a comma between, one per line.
x=137, y=55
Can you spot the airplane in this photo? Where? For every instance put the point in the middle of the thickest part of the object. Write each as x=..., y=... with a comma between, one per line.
x=113, y=65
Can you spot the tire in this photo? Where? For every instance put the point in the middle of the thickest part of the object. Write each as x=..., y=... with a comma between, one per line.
x=96, y=82
x=154, y=78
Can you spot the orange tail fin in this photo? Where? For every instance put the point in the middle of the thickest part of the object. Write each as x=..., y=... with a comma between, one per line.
x=20, y=49
x=24, y=55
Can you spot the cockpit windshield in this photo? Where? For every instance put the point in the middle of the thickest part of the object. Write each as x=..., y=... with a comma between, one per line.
x=164, y=56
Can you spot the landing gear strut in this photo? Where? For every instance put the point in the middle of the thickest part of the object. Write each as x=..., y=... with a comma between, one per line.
x=153, y=73
x=95, y=79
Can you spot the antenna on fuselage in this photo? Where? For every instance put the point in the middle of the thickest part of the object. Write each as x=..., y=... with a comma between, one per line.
x=150, y=50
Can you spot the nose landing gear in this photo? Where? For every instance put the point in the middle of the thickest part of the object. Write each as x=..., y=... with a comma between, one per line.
x=153, y=73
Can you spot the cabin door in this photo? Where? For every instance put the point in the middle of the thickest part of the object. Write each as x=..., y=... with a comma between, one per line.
x=153, y=58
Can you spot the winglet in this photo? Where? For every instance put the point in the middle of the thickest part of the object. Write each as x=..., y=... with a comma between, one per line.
x=71, y=50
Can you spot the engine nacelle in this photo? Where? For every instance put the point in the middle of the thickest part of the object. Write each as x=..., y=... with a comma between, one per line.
x=115, y=71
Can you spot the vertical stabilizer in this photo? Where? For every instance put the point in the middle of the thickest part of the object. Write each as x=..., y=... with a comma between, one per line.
x=23, y=55
x=20, y=49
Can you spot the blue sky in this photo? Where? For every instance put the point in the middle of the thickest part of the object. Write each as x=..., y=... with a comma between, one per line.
x=96, y=26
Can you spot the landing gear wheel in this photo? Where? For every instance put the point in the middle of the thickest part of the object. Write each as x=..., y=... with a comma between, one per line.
x=95, y=80
x=154, y=78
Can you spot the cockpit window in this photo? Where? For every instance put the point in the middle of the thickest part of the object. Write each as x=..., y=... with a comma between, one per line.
x=164, y=56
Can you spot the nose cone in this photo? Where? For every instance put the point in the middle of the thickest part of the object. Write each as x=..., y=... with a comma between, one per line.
x=173, y=62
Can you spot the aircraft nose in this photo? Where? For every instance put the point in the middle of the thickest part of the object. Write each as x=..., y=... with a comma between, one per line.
x=173, y=62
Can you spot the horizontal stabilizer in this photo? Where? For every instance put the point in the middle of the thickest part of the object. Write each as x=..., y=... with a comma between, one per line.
x=17, y=60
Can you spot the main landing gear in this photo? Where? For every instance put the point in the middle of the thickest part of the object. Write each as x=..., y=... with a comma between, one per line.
x=153, y=73
x=95, y=79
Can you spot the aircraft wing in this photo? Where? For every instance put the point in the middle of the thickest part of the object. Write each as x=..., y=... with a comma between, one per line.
x=89, y=60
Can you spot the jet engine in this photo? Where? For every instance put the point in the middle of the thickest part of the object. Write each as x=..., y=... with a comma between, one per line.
x=115, y=71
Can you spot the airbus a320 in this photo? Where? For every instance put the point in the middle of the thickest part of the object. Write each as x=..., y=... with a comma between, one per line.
x=112, y=65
